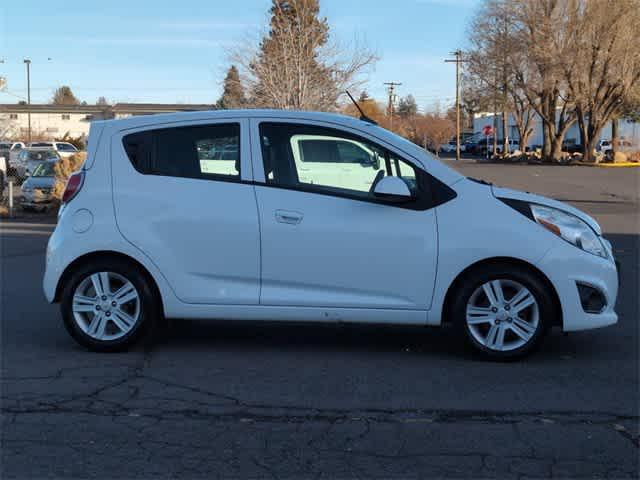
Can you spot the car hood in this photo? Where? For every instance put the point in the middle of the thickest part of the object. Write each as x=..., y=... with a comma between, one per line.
x=500, y=192
x=39, y=182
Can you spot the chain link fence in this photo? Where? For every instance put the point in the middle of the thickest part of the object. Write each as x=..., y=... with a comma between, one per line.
x=17, y=194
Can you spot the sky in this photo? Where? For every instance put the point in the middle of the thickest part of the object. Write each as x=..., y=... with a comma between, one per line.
x=177, y=51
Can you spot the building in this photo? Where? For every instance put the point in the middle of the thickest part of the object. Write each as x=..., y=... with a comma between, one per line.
x=627, y=130
x=55, y=121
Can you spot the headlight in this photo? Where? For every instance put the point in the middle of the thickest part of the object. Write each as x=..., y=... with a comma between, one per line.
x=570, y=228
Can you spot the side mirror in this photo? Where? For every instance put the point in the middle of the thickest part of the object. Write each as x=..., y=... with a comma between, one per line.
x=392, y=188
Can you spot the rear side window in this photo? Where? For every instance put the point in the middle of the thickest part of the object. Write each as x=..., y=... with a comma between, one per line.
x=201, y=151
x=66, y=147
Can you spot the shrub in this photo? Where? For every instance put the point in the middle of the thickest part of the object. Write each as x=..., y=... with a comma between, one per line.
x=63, y=170
x=78, y=142
x=633, y=156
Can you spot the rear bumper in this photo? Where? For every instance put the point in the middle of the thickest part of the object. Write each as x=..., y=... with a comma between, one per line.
x=566, y=265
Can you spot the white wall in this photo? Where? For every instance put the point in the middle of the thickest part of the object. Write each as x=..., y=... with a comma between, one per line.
x=629, y=131
x=52, y=124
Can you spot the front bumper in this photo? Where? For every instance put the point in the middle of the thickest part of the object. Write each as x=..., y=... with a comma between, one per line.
x=565, y=266
x=35, y=198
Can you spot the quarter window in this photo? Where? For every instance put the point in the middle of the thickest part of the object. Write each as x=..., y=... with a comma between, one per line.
x=202, y=151
x=328, y=161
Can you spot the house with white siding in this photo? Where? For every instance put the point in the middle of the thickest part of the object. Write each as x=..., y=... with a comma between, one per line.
x=55, y=121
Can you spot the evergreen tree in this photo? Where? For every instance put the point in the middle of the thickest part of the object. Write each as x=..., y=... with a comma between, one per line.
x=233, y=92
x=288, y=66
x=407, y=106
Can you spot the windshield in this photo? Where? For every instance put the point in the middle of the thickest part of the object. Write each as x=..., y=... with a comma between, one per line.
x=41, y=156
x=44, y=170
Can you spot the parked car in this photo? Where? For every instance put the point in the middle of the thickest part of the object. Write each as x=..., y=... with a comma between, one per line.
x=3, y=175
x=36, y=191
x=144, y=232
x=64, y=149
x=10, y=151
x=571, y=147
x=30, y=158
x=451, y=147
x=605, y=146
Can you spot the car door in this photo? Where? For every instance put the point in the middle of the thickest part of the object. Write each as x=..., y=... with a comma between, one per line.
x=184, y=208
x=329, y=246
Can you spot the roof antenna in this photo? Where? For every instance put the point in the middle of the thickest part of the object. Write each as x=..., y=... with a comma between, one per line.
x=363, y=117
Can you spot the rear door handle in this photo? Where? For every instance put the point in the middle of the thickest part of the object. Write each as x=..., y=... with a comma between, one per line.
x=287, y=216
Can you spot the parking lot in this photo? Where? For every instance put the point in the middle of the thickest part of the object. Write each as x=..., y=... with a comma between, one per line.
x=222, y=399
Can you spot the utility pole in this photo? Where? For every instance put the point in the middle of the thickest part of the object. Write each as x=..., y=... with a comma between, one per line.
x=457, y=60
x=28, y=64
x=391, y=87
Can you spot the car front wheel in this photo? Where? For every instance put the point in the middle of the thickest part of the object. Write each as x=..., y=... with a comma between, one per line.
x=504, y=312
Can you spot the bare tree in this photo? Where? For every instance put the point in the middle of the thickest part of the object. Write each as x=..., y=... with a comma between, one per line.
x=64, y=96
x=296, y=65
x=490, y=59
x=429, y=130
x=606, y=63
x=519, y=50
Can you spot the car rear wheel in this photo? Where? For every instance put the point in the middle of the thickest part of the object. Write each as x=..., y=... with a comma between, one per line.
x=107, y=304
x=503, y=311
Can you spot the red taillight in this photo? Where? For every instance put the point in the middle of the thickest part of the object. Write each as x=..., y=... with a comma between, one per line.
x=74, y=184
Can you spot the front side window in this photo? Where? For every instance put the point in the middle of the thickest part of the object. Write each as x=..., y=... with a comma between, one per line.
x=328, y=161
x=202, y=151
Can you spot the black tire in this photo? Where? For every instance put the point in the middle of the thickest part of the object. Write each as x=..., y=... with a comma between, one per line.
x=478, y=277
x=149, y=304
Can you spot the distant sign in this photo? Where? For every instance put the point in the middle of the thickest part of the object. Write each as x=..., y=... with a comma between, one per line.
x=487, y=130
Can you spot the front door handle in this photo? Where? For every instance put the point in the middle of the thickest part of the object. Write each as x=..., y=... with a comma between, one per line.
x=287, y=216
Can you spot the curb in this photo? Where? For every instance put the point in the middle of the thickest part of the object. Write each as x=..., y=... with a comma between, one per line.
x=610, y=165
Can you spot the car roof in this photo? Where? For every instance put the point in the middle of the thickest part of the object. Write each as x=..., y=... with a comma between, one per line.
x=144, y=120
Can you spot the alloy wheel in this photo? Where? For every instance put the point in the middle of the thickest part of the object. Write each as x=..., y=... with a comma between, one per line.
x=502, y=315
x=106, y=306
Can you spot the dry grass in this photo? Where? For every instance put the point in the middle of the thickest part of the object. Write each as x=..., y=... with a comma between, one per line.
x=633, y=156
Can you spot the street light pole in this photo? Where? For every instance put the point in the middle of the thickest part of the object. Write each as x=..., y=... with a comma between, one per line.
x=457, y=60
x=28, y=64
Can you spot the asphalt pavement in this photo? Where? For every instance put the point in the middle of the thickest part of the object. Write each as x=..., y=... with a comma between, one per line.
x=268, y=400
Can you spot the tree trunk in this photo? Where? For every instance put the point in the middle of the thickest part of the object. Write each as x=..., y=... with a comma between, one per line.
x=505, y=134
x=524, y=140
x=614, y=137
x=546, y=142
x=556, y=148
x=588, y=149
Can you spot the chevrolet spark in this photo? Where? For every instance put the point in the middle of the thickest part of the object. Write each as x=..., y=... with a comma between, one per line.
x=298, y=216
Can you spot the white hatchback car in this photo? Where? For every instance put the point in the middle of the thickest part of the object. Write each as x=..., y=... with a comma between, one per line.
x=153, y=226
